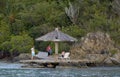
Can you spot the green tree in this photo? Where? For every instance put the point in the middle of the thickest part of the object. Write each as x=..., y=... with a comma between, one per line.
x=4, y=32
x=21, y=43
x=38, y=17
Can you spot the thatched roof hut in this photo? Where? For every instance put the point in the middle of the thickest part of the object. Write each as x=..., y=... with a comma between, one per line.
x=56, y=36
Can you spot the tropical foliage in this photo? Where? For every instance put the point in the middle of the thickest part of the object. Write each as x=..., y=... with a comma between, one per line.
x=21, y=21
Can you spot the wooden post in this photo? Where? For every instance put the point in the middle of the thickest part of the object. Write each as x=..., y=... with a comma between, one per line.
x=56, y=47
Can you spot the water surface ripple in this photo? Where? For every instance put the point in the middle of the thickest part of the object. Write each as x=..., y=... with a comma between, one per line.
x=14, y=70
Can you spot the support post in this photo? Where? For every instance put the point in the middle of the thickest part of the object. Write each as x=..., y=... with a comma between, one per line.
x=56, y=47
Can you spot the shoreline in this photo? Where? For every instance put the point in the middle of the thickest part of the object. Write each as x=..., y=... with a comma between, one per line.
x=70, y=63
x=61, y=63
x=27, y=66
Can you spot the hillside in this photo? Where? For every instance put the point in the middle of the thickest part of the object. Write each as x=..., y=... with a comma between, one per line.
x=21, y=21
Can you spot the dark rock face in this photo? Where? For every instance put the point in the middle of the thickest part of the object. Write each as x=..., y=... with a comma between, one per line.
x=94, y=46
x=1, y=54
x=4, y=54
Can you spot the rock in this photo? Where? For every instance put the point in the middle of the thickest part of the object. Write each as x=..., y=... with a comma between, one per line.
x=23, y=56
x=96, y=57
x=94, y=46
x=117, y=56
x=107, y=61
x=114, y=61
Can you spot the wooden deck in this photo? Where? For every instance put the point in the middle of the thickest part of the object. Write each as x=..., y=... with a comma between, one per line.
x=54, y=63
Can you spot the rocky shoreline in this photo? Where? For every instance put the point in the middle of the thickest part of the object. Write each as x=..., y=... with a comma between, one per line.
x=110, y=62
x=68, y=64
x=97, y=46
x=64, y=64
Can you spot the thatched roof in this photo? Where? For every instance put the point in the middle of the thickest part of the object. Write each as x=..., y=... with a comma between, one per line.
x=56, y=35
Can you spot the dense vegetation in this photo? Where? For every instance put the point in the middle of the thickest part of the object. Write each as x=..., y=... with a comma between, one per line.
x=21, y=21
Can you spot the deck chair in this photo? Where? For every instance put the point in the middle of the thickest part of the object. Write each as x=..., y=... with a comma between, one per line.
x=66, y=56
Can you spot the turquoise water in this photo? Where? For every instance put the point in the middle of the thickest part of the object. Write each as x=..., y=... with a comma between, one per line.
x=15, y=70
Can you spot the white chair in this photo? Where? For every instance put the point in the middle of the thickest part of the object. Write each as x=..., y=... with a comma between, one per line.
x=67, y=56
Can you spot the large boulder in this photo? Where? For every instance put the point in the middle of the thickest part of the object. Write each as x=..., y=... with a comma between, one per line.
x=94, y=46
x=23, y=56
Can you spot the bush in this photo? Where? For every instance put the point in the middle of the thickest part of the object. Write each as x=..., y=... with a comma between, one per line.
x=74, y=31
x=5, y=46
x=21, y=43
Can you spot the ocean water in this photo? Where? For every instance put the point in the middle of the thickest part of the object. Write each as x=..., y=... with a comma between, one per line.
x=15, y=70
